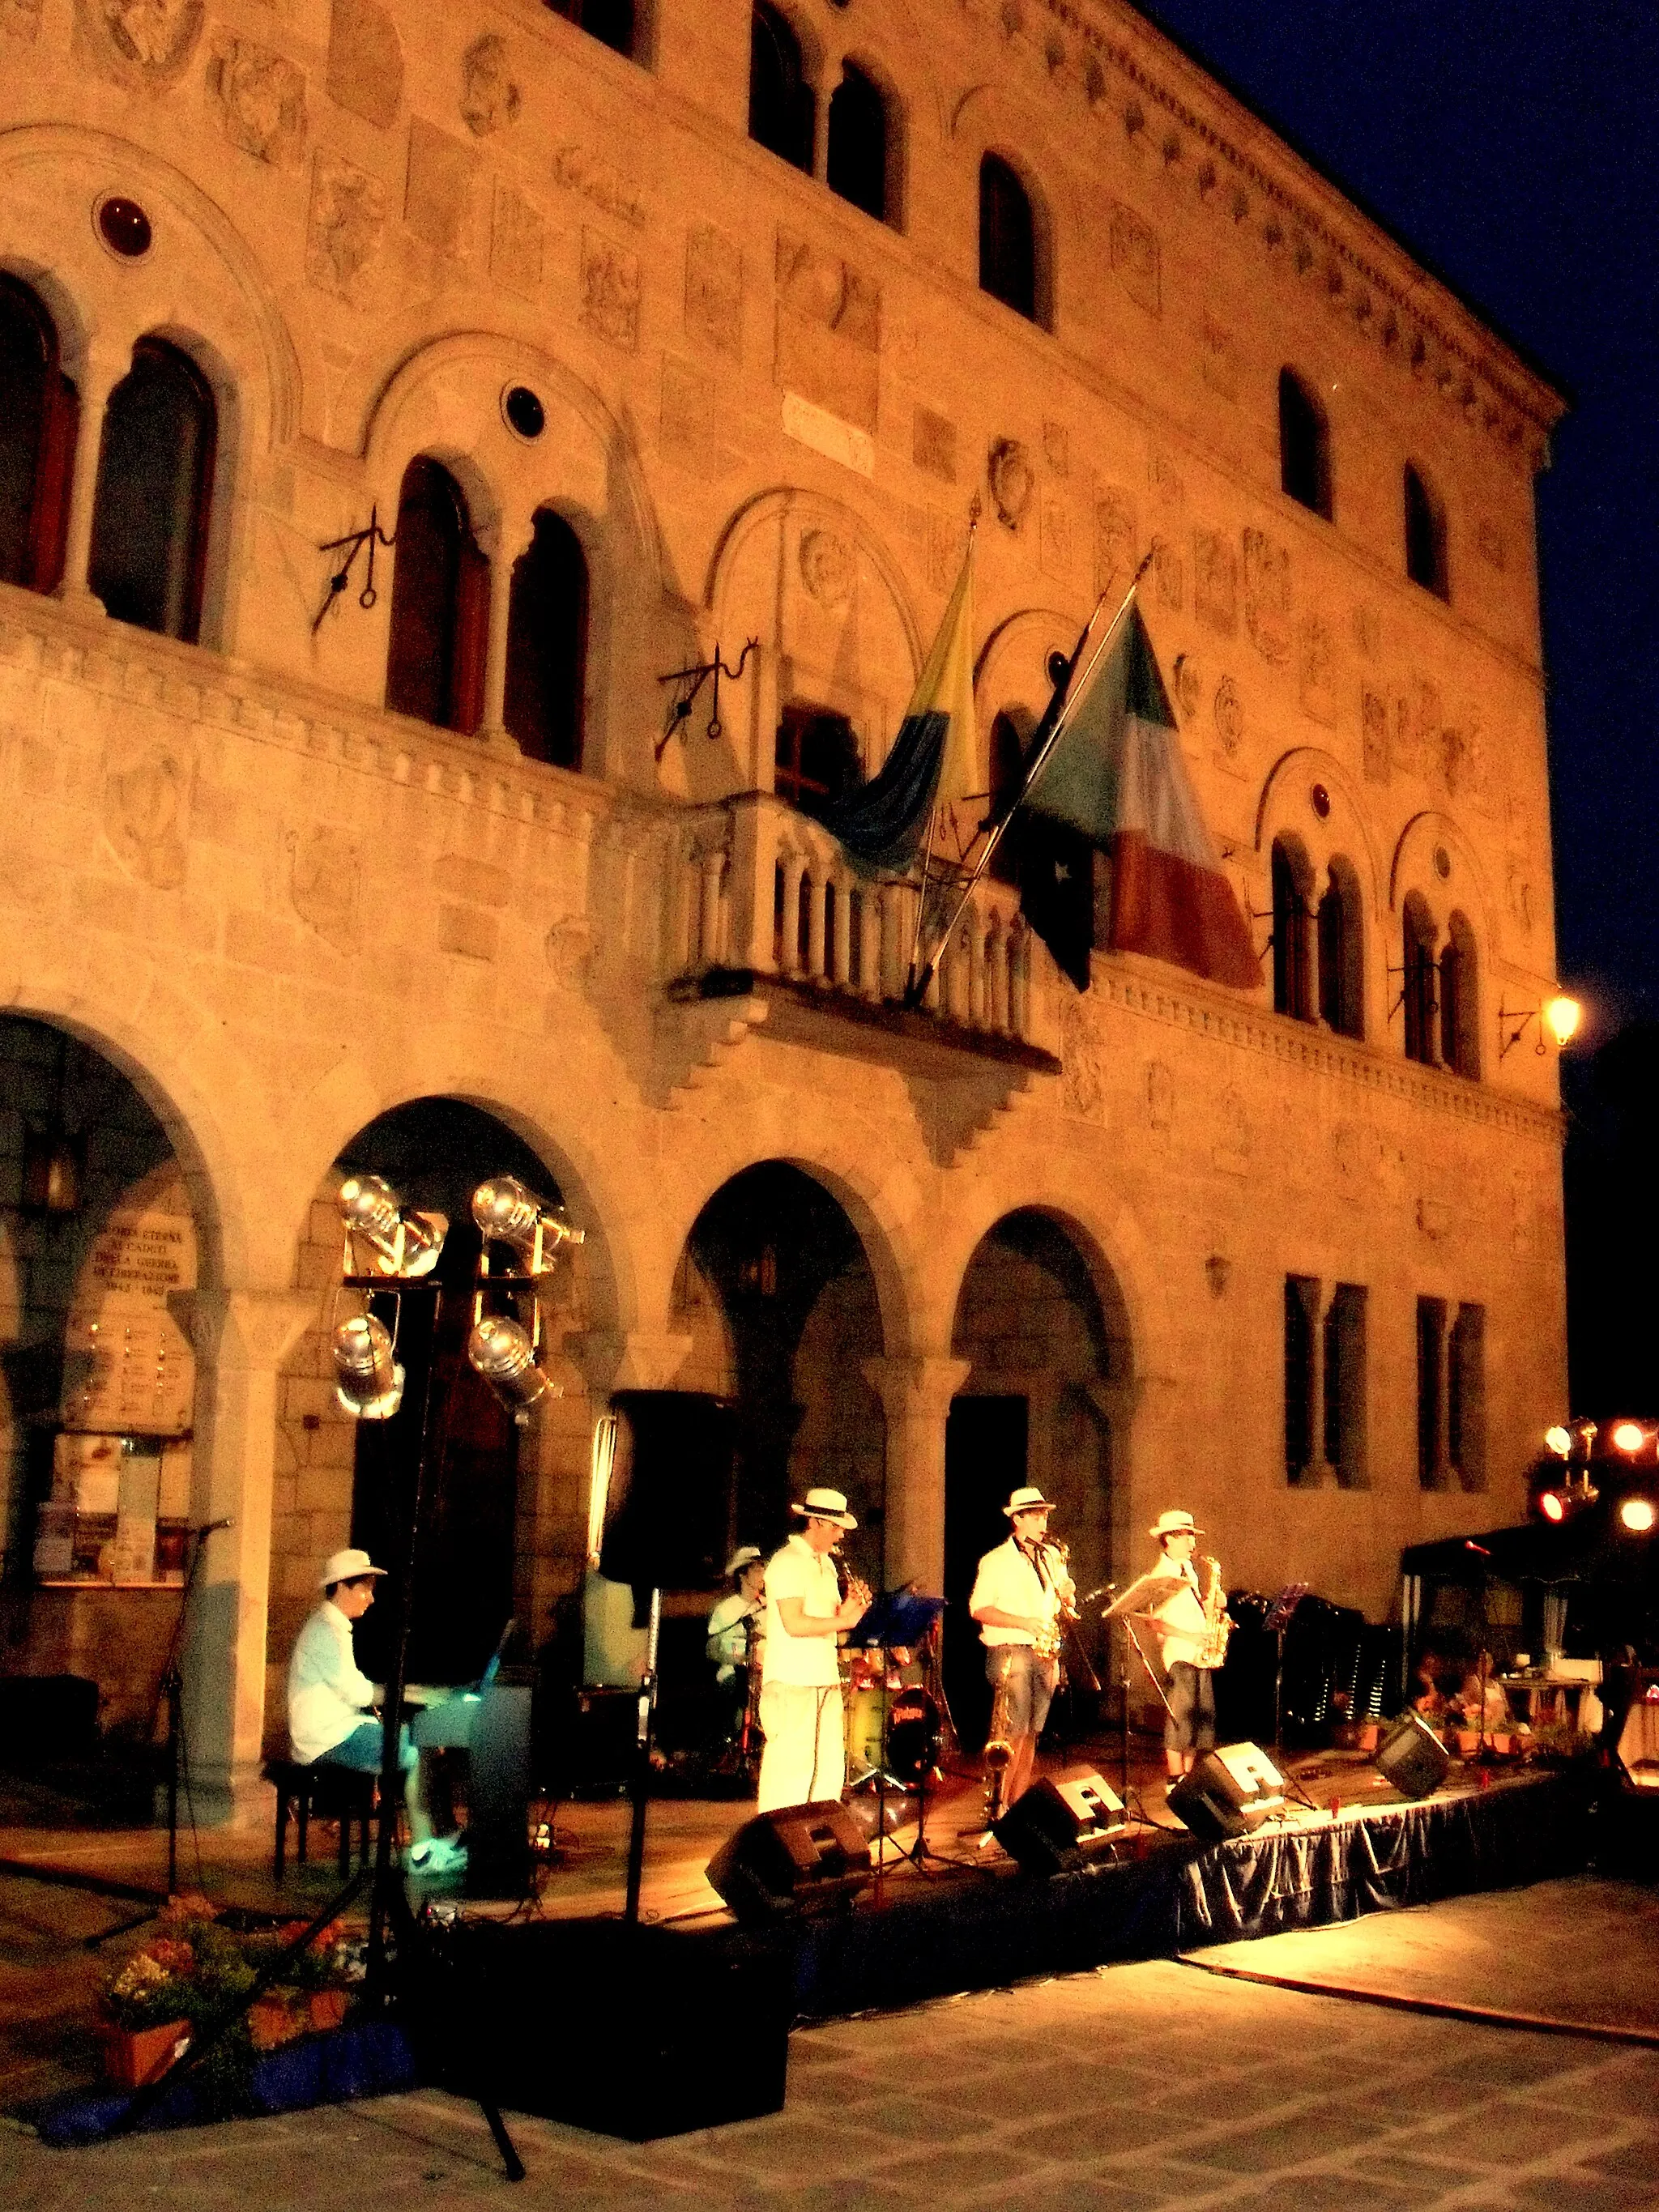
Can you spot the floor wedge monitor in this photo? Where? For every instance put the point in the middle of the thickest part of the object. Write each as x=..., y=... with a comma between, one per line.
x=798, y=1859
x=1228, y=1793
x=1057, y=1826
x=1413, y=1758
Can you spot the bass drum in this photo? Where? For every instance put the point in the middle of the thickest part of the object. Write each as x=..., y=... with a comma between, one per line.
x=863, y=1716
x=915, y=1736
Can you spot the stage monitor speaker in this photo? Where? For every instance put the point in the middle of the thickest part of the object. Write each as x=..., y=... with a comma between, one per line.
x=796, y=1859
x=631, y=2032
x=1228, y=1792
x=1413, y=1758
x=1057, y=1826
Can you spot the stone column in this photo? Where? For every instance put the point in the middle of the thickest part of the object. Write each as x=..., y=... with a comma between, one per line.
x=241, y=1339
x=100, y=374
x=915, y=1393
x=493, y=728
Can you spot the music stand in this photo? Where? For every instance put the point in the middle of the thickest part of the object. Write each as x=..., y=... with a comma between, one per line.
x=901, y=1619
x=1276, y=1620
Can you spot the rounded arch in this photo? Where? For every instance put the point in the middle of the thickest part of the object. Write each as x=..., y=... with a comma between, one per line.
x=1412, y=865
x=988, y=120
x=1287, y=801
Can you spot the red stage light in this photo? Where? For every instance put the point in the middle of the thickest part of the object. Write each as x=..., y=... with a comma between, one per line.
x=1553, y=1505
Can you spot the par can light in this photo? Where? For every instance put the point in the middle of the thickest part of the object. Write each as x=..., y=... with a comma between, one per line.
x=1559, y=1440
x=404, y=1242
x=1638, y=1515
x=368, y=1381
x=508, y=1212
x=502, y=1353
x=1553, y=1505
x=1629, y=1436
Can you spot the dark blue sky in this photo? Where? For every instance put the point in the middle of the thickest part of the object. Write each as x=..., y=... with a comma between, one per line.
x=1515, y=145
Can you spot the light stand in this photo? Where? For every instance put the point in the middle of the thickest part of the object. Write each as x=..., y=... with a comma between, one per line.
x=639, y=1788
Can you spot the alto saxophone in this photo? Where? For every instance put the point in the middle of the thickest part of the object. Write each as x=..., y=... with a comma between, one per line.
x=1217, y=1623
x=1049, y=1642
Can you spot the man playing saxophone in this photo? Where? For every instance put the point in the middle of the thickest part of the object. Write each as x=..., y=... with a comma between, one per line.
x=1021, y=1596
x=1192, y=1632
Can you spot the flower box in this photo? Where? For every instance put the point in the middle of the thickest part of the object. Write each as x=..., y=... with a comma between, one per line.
x=134, y=2058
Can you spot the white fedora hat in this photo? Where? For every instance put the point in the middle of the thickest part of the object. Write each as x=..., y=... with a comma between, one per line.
x=1028, y=1500
x=745, y=1555
x=826, y=1505
x=347, y=1566
x=1176, y=1524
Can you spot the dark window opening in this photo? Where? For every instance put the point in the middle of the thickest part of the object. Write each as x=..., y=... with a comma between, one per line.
x=1425, y=536
x=1007, y=237
x=1460, y=1032
x=1466, y=1406
x=150, y=524
x=782, y=107
x=547, y=645
x=1345, y=1384
x=818, y=760
x=610, y=21
x=1301, y=1306
x=1421, y=984
x=1304, y=452
x=1293, y=948
x=440, y=604
x=1432, y=1393
x=38, y=412
x=857, y=165
x=1007, y=771
x=1341, y=963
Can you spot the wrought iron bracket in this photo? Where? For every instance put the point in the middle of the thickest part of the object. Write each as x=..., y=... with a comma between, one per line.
x=351, y=545
x=1508, y=1014
x=691, y=681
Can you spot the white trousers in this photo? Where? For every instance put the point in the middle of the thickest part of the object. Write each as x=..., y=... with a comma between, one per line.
x=805, y=1755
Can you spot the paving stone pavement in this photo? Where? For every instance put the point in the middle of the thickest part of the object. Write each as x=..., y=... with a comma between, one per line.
x=1119, y=2091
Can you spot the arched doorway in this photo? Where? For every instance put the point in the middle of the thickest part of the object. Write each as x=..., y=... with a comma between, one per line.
x=492, y=1490
x=1048, y=1337
x=99, y=1248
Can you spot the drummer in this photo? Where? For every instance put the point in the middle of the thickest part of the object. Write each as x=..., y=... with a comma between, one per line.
x=735, y=1632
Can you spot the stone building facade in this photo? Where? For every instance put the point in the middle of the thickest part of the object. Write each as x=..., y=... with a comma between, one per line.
x=654, y=331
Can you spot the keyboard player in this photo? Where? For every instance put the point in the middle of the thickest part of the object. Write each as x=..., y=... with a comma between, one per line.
x=489, y=1721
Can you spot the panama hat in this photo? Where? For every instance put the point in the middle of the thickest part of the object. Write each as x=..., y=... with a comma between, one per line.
x=744, y=1556
x=347, y=1566
x=826, y=1505
x=1177, y=1524
x=1028, y=1500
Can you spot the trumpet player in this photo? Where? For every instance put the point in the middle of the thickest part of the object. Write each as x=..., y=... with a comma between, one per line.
x=1183, y=1630
x=804, y=1756
x=1021, y=1594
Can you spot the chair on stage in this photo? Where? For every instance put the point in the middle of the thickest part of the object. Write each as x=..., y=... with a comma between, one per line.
x=305, y=1789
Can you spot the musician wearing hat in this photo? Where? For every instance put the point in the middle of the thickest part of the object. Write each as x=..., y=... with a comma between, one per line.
x=329, y=1704
x=805, y=1757
x=1019, y=1595
x=1177, y=1618
x=734, y=1636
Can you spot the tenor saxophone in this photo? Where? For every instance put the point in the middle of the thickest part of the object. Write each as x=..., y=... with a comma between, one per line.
x=1218, y=1624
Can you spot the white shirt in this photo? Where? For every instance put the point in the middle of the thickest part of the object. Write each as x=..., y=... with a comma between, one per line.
x=728, y=1634
x=1184, y=1610
x=799, y=1571
x=1007, y=1582
x=327, y=1696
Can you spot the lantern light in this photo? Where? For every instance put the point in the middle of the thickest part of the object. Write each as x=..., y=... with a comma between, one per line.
x=1562, y=1016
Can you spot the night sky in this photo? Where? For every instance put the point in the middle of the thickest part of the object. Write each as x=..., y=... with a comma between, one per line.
x=1512, y=145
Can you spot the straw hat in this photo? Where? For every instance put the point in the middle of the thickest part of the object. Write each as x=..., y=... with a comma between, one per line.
x=347, y=1566
x=1028, y=1500
x=826, y=1505
x=1177, y=1524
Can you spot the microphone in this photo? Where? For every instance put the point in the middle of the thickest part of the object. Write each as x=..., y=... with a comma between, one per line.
x=212, y=1528
x=1469, y=1544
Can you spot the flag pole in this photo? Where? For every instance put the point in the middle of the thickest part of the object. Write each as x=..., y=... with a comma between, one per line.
x=920, y=979
x=974, y=510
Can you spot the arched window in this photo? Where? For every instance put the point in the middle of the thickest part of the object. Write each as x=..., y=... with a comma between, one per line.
x=610, y=21
x=1460, y=1024
x=547, y=644
x=1426, y=536
x=817, y=759
x=1304, y=449
x=38, y=410
x=1341, y=953
x=1420, y=992
x=440, y=604
x=1007, y=237
x=1007, y=767
x=1293, y=949
x=782, y=107
x=149, y=523
x=857, y=168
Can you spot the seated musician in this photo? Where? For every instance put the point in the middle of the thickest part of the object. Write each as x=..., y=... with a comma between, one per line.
x=805, y=1757
x=330, y=1705
x=1017, y=1597
x=734, y=1638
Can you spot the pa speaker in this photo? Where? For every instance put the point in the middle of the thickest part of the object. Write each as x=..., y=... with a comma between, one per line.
x=1413, y=1758
x=797, y=1859
x=1057, y=1826
x=632, y=2032
x=1228, y=1792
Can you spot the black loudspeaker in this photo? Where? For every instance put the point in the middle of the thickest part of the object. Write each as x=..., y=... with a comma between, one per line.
x=1413, y=1758
x=670, y=1488
x=1058, y=1826
x=1228, y=1792
x=632, y=2032
x=798, y=1859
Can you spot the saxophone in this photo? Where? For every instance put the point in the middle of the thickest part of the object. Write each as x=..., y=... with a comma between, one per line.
x=1049, y=1642
x=998, y=1754
x=1217, y=1623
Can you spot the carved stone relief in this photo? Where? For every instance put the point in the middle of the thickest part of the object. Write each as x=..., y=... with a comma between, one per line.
x=934, y=444
x=1054, y=553
x=1229, y=713
x=261, y=99
x=1374, y=728
x=687, y=420
x=1217, y=358
x=145, y=42
x=713, y=290
x=490, y=97
x=1160, y=1096
x=828, y=334
x=596, y=178
x=1167, y=575
x=1134, y=257
x=323, y=883
x=1267, y=596
x=1215, y=581
x=944, y=549
x=610, y=291
x=20, y=19
x=1057, y=448
x=345, y=226
x=828, y=567
x=517, y=242
x=1232, y=1151
x=1165, y=480
x=1186, y=682
x=1012, y=480
x=365, y=61
x=1316, y=668
x=439, y=187
x=1367, y=632
x=1082, y=1085
x=147, y=814
x=1115, y=539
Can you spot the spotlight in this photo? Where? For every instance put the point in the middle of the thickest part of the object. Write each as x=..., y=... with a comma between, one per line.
x=1638, y=1515
x=368, y=1381
x=1562, y=1016
x=1559, y=1440
x=503, y=1354
x=1629, y=1436
x=508, y=1212
x=404, y=1242
x=1553, y=1505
